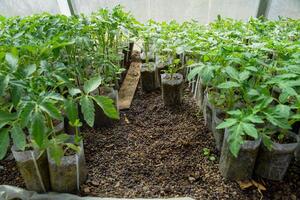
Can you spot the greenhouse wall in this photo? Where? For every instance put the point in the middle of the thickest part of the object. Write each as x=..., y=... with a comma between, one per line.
x=27, y=7
x=287, y=8
x=201, y=10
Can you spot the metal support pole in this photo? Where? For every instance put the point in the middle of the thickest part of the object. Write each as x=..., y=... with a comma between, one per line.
x=263, y=8
x=66, y=7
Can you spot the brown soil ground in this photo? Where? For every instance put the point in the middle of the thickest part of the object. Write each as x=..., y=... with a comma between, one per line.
x=155, y=151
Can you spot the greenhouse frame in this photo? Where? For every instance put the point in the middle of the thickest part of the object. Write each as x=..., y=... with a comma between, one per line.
x=149, y=99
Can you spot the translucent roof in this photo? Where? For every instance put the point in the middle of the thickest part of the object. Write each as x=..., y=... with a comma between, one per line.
x=161, y=10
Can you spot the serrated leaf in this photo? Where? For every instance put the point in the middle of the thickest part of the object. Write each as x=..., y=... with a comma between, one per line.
x=232, y=72
x=235, y=147
x=71, y=110
x=16, y=93
x=74, y=91
x=3, y=84
x=12, y=61
x=253, y=92
x=195, y=71
x=107, y=106
x=25, y=113
x=278, y=122
x=29, y=69
x=250, y=130
x=6, y=116
x=56, y=153
x=244, y=75
x=92, y=84
x=267, y=141
x=228, y=85
x=62, y=138
x=227, y=123
x=88, y=110
x=38, y=129
x=73, y=147
x=19, y=137
x=235, y=112
x=254, y=119
x=4, y=142
x=282, y=111
x=51, y=110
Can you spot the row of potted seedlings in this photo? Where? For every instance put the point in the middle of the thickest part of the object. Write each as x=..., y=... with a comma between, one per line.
x=248, y=85
x=163, y=62
x=65, y=75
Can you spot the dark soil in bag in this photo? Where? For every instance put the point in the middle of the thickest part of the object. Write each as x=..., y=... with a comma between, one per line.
x=273, y=164
x=148, y=78
x=70, y=174
x=172, y=89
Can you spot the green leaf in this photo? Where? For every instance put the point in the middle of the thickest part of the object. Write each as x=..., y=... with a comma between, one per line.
x=267, y=141
x=235, y=112
x=282, y=111
x=4, y=142
x=290, y=91
x=107, y=106
x=235, y=139
x=227, y=123
x=195, y=71
x=277, y=122
x=62, y=138
x=16, y=94
x=3, y=84
x=228, y=84
x=74, y=91
x=12, y=61
x=25, y=112
x=232, y=72
x=250, y=130
x=29, y=69
x=254, y=119
x=73, y=147
x=88, y=110
x=38, y=129
x=56, y=153
x=244, y=75
x=235, y=147
x=71, y=110
x=6, y=116
x=18, y=137
x=92, y=84
x=253, y=92
x=51, y=110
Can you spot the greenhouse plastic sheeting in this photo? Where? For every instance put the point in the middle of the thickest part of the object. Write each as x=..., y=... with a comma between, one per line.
x=11, y=192
x=28, y=7
x=203, y=11
x=287, y=8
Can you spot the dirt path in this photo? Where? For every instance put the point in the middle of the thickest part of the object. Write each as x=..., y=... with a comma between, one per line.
x=158, y=152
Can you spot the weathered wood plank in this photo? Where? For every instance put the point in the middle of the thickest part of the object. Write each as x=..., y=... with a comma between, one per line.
x=130, y=83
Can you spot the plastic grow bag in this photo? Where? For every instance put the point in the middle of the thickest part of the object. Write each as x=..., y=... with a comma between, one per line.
x=242, y=166
x=273, y=164
x=218, y=133
x=33, y=166
x=172, y=89
x=11, y=192
x=207, y=111
x=70, y=174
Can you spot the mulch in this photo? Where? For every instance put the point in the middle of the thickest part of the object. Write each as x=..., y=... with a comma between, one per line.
x=154, y=151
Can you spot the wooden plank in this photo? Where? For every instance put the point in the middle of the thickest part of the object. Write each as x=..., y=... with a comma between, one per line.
x=130, y=83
